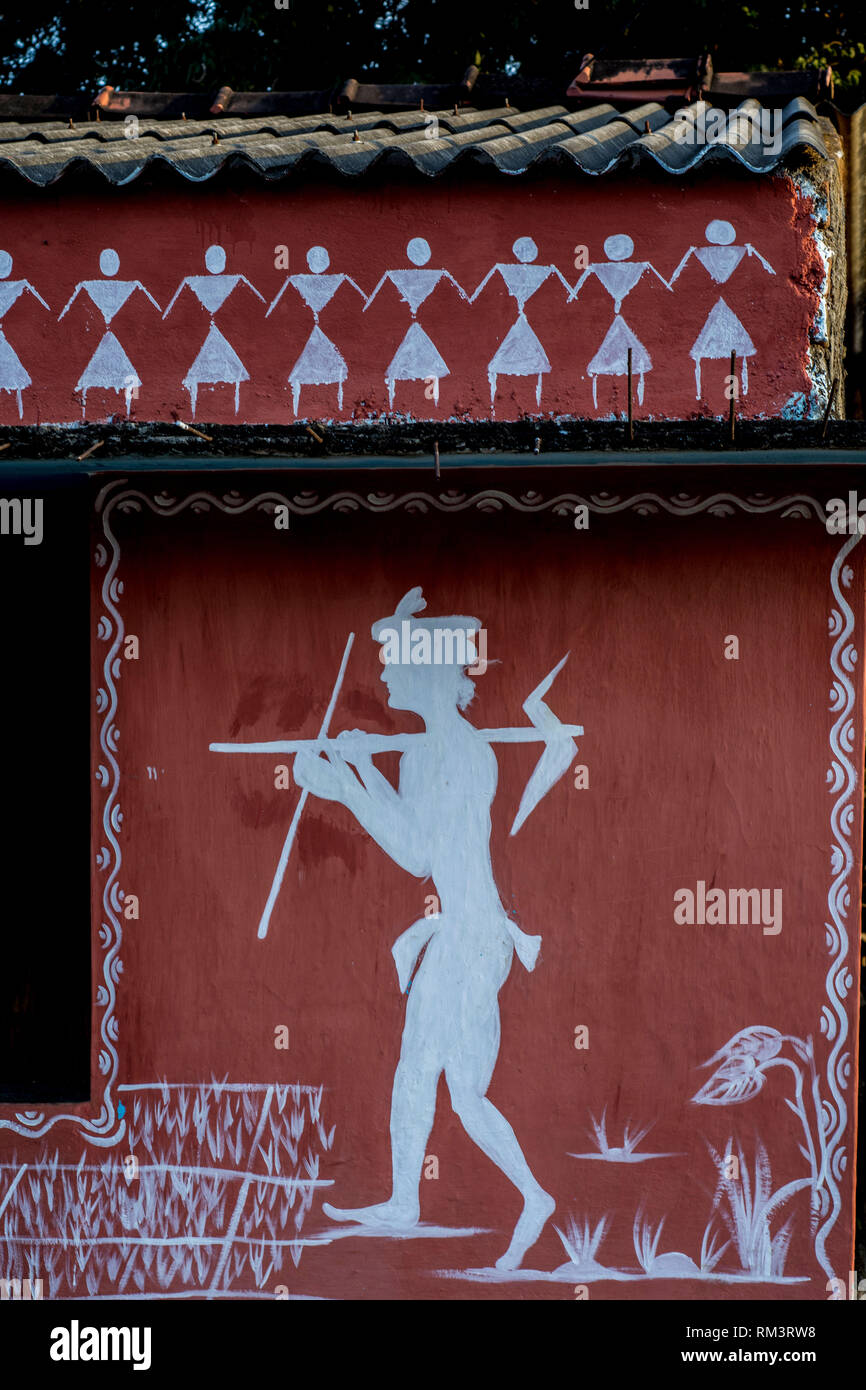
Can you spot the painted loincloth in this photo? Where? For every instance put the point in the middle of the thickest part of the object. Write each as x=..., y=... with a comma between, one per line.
x=408, y=947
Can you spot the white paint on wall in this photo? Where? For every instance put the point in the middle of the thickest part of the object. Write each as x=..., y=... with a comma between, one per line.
x=216, y=363
x=109, y=367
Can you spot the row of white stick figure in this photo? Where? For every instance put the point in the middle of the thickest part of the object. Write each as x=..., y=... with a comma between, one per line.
x=320, y=363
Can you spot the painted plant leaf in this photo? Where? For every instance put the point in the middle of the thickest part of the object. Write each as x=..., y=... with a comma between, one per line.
x=730, y=1085
x=758, y=1042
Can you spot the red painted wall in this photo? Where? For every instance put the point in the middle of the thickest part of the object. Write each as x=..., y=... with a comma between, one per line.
x=55, y=239
x=701, y=768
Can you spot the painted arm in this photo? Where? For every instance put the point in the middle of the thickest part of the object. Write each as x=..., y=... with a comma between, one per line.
x=459, y=288
x=37, y=295
x=383, y=813
x=682, y=265
x=388, y=817
x=492, y=271
x=559, y=275
x=140, y=286
x=77, y=291
x=175, y=295
x=648, y=266
x=347, y=280
x=244, y=281
x=280, y=293
x=376, y=784
x=752, y=252
x=375, y=292
x=584, y=277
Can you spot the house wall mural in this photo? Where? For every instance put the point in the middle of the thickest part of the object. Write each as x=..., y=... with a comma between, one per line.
x=455, y=302
x=366, y=1025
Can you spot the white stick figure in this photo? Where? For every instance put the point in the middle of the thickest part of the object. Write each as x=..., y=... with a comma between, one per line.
x=217, y=362
x=320, y=364
x=417, y=358
x=619, y=275
x=520, y=353
x=109, y=367
x=722, y=332
x=13, y=374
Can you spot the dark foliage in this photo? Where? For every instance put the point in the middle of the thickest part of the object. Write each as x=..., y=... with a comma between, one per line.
x=70, y=45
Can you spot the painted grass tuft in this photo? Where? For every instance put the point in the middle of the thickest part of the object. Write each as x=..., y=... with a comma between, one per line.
x=77, y=1227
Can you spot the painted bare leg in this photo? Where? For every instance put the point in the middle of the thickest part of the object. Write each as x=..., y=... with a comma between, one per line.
x=538, y=1207
x=493, y=1134
x=413, y=1105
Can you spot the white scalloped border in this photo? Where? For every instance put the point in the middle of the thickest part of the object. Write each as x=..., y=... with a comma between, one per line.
x=843, y=779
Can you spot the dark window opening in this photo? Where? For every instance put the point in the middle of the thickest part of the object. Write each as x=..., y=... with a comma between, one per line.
x=45, y=984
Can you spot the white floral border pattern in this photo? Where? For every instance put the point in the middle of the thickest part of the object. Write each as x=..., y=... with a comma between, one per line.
x=843, y=776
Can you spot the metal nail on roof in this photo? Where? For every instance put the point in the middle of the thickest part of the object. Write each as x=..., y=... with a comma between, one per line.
x=595, y=140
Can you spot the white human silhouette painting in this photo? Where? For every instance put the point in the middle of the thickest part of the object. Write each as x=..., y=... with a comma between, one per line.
x=436, y=826
x=216, y=363
x=109, y=367
x=13, y=374
x=520, y=353
x=320, y=363
x=417, y=358
x=619, y=275
x=722, y=333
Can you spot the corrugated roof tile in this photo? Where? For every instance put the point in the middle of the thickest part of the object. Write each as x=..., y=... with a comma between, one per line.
x=594, y=140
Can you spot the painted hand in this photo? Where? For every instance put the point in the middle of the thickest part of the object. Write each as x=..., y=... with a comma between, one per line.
x=324, y=777
x=358, y=758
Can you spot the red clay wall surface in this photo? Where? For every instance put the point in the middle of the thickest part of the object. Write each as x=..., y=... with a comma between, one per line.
x=701, y=767
x=753, y=283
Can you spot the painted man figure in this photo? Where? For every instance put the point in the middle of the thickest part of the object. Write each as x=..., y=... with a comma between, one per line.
x=437, y=825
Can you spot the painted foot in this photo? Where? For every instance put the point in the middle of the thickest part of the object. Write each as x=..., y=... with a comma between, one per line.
x=385, y=1214
x=537, y=1210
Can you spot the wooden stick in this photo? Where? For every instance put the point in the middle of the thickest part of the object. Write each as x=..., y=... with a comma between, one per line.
x=318, y=437
x=92, y=450
x=630, y=421
x=190, y=430
x=436, y=455
x=830, y=399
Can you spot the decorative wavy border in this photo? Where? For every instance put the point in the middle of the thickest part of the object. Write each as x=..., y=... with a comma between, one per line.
x=842, y=775
x=494, y=500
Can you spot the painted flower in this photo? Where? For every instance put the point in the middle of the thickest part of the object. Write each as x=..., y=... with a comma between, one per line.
x=741, y=1075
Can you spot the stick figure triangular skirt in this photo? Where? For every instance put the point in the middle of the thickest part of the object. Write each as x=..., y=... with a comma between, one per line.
x=320, y=364
x=721, y=335
x=612, y=357
x=416, y=358
x=13, y=374
x=216, y=363
x=519, y=354
x=109, y=368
